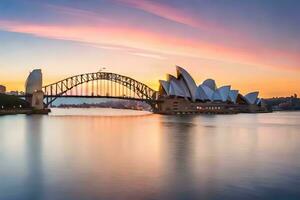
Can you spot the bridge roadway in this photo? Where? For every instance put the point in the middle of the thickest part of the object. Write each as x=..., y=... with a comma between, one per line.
x=94, y=97
x=151, y=102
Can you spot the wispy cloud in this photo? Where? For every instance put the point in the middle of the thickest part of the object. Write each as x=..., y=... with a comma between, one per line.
x=165, y=11
x=75, y=12
x=133, y=51
x=149, y=55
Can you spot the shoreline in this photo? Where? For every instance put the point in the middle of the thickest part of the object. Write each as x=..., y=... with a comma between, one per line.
x=24, y=111
x=47, y=111
x=104, y=112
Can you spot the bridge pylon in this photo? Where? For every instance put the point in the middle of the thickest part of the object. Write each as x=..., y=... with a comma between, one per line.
x=37, y=100
x=33, y=89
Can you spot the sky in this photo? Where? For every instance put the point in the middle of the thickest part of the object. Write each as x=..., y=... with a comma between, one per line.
x=252, y=45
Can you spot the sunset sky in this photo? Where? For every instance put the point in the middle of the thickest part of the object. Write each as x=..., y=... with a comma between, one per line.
x=250, y=44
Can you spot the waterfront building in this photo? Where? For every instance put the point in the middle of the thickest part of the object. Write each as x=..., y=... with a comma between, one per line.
x=2, y=89
x=181, y=95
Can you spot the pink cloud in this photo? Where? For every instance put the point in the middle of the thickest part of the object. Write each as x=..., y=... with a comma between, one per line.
x=148, y=44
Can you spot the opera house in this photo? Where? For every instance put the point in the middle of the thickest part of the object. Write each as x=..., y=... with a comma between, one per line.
x=181, y=95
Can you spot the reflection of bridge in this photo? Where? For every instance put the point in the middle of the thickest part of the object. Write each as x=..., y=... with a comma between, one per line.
x=99, y=85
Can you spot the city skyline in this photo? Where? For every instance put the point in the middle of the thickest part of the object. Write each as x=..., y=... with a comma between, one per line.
x=250, y=45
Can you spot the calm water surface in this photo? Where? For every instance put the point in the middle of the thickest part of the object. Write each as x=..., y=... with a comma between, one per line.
x=145, y=156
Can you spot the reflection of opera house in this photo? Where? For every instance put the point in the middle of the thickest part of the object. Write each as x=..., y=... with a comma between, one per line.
x=181, y=95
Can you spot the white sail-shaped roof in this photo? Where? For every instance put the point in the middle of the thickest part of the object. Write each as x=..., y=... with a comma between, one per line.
x=189, y=81
x=184, y=87
x=171, y=90
x=217, y=96
x=258, y=101
x=165, y=85
x=221, y=94
x=209, y=92
x=210, y=83
x=251, y=97
x=233, y=94
x=34, y=81
x=200, y=94
x=171, y=77
x=183, y=92
x=224, y=92
x=175, y=89
x=204, y=93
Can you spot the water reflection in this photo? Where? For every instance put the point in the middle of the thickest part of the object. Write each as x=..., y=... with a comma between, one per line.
x=179, y=137
x=150, y=157
x=34, y=157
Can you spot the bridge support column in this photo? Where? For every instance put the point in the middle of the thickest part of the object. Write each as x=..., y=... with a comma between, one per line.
x=36, y=100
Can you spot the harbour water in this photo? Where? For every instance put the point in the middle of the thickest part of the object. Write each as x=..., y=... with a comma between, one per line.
x=92, y=154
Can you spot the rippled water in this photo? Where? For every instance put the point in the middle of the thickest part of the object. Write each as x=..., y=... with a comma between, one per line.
x=61, y=157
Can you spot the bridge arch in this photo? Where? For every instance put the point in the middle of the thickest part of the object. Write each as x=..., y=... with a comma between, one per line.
x=62, y=87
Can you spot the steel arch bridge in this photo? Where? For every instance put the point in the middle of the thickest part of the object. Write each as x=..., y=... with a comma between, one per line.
x=99, y=85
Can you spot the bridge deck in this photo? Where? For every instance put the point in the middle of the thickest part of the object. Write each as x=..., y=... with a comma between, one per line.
x=93, y=97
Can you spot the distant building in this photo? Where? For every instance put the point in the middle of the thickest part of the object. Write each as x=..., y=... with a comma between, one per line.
x=2, y=89
x=21, y=93
x=13, y=93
